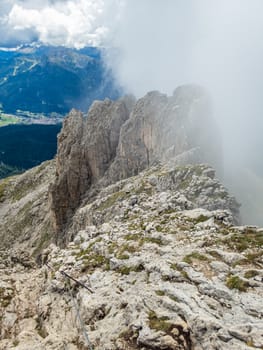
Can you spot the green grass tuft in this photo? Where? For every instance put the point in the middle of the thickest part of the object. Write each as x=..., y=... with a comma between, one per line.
x=234, y=282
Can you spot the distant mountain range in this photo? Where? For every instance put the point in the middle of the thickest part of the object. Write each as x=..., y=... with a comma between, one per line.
x=46, y=80
x=25, y=146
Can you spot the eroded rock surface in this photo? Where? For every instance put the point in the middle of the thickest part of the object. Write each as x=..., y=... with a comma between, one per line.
x=168, y=268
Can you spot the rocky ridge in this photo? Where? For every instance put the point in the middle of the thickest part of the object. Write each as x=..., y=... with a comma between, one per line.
x=165, y=273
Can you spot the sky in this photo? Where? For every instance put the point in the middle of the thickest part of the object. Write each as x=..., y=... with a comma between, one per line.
x=161, y=44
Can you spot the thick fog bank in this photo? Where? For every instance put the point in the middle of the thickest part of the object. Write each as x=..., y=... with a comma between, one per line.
x=217, y=44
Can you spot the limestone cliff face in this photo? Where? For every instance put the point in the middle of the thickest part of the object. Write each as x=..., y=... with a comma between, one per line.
x=119, y=139
x=162, y=128
x=72, y=171
x=86, y=148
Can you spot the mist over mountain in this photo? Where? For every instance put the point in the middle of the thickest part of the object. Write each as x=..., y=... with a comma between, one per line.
x=49, y=80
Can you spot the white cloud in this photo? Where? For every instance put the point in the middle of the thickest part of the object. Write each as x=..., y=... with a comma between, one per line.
x=72, y=23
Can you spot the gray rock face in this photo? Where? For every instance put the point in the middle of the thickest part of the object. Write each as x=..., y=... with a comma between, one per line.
x=120, y=139
x=161, y=128
x=86, y=148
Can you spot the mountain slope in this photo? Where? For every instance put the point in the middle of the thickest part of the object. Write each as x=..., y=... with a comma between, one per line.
x=128, y=241
x=163, y=275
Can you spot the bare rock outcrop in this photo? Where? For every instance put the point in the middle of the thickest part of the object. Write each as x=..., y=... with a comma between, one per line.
x=162, y=128
x=86, y=148
x=119, y=139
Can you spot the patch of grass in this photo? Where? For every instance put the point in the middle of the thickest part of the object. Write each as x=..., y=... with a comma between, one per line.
x=201, y=218
x=126, y=270
x=159, y=323
x=215, y=254
x=111, y=200
x=195, y=256
x=176, y=267
x=123, y=256
x=154, y=240
x=234, y=282
x=85, y=252
x=144, y=188
x=159, y=228
x=251, y=274
x=172, y=297
x=126, y=248
x=133, y=237
x=255, y=257
x=6, y=296
x=243, y=241
x=23, y=188
x=112, y=247
x=161, y=293
x=93, y=261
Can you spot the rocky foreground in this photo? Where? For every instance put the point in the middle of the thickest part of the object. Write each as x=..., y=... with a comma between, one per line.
x=166, y=266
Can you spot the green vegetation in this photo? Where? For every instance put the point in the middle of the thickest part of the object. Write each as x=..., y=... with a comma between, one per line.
x=142, y=239
x=195, y=256
x=6, y=119
x=215, y=254
x=251, y=274
x=144, y=188
x=254, y=258
x=234, y=282
x=111, y=200
x=159, y=323
x=176, y=267
x=126, y=270
x=123, y=256
x=201, y=218
x=133, y=237
x=243, y=241
x=6, y=296
x=161, y=293
x=93, y=260
x=83, y=254
x=172, y=297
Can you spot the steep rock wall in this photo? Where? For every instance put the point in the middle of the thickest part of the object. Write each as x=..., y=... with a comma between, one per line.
x=119, y=139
